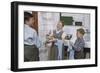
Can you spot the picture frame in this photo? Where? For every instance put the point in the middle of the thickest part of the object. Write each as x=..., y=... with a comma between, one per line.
x=17, y=34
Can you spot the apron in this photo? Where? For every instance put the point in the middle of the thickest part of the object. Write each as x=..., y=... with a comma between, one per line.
x=56, y=50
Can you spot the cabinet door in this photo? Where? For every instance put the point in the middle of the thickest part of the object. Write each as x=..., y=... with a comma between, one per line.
x=35, y=24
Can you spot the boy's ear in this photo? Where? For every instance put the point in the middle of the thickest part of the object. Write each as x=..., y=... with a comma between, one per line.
x=26, y=21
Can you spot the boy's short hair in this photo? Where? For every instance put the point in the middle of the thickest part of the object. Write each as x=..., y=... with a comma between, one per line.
x=27, y=16
x=81, y=30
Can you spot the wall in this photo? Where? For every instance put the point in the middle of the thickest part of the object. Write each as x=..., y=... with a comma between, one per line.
x=47, y=22
x=5, y=32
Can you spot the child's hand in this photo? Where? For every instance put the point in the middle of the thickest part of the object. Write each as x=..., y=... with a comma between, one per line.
x=63, y=36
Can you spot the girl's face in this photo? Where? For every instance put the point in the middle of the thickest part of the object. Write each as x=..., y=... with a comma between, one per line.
x=78, y=34
x=59, y=26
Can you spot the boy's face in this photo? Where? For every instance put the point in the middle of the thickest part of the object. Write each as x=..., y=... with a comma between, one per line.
x=59, y=26
x=30, y=21
x=79, y=35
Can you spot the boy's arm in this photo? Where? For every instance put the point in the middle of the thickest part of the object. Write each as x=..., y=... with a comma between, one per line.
x=78, y=46
x=38, y=42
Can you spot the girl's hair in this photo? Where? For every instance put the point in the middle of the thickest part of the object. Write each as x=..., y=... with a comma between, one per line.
x=62, y=22
x=27, y=16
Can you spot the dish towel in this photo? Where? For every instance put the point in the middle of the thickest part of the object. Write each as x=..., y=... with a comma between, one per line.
x=60, y=47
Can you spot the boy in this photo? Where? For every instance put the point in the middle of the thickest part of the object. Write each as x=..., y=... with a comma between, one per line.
x=79, y=44
x=31, y=40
